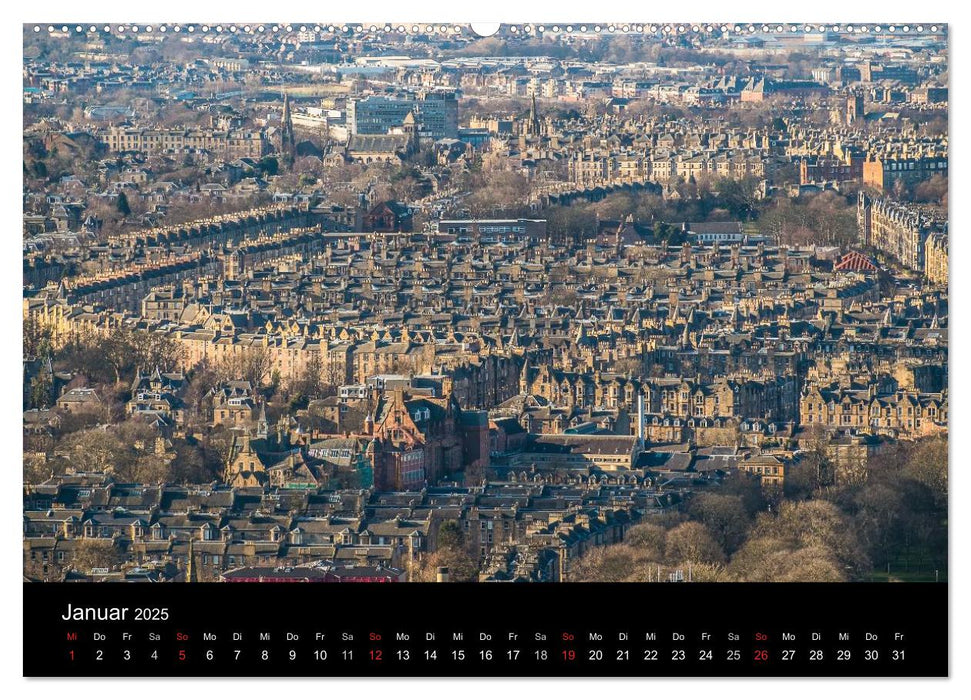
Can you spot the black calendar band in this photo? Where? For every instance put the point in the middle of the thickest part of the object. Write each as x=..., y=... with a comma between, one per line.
x=427, y=630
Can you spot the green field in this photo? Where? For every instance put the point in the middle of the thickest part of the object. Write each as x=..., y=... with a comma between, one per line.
x=912, y=565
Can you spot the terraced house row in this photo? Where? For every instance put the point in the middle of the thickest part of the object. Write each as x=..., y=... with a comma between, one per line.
x=219, y=528
x=703, y=331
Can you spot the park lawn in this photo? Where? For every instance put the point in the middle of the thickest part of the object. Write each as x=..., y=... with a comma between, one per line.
x=905, y=577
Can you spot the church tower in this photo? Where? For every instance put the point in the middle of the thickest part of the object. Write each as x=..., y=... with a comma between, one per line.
x=410, y=127
x=855, y=109
x=234, y=265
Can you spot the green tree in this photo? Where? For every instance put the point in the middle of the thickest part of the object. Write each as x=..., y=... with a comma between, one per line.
x=449, y=553
x=41, y=391
x=269, y=166
x=738, y=196
x=450, y=535
x=37, y=338
x=122, y=204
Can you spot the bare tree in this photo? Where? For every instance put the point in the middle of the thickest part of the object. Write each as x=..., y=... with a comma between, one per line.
x=95, y=553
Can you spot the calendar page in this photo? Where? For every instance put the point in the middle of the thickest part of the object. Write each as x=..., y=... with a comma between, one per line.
x=333, y=331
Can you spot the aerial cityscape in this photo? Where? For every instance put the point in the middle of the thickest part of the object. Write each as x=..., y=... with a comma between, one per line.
x=404, y=303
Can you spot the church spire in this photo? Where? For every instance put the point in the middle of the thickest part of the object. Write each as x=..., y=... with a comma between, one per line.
x=532, y=124
x=190, y=569
x=262, y=425
x=287, y=140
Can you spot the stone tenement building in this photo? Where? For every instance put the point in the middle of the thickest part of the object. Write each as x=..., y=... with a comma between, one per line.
x=936, y=261
x=898, y=414
x=883, y=170
x=771, y=398
x=594, y=168
x=228, y=143
x=902, y=232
